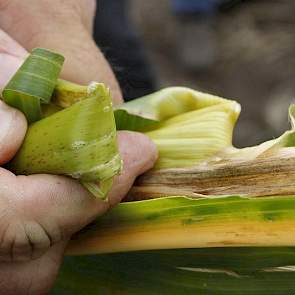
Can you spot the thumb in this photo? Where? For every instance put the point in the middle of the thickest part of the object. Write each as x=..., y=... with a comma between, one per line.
x=55, y=207
x=12, y=122
x=139, y=154
x=12, y=56
x=64, y=202
x=13, y=126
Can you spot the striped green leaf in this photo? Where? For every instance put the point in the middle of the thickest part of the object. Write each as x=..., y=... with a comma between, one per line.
x=34, y=83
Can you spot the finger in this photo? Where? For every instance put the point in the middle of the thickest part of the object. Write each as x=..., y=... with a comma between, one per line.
x=11, y=58
x=13, y=126
x=62, y=206
x=139, y=154
x=51, y=208
x=12, y=123
x=38, y=212
x=34, y=277
x=88, y=12
x=10, y=46
x=62, y=200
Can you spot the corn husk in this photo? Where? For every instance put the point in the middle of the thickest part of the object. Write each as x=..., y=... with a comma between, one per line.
x=226, y=238
x=228, y=225
x=79, y=141
x=34, y=83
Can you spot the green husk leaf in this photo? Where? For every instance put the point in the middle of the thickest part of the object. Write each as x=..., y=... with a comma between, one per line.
x=66, y=93
x=131, y=122
x=99, y=189
x=79, y=141
x=187, y=126
x=190, y=127
x=168, y=103
x=50, y=109
x=215, y=245
x=34, y=83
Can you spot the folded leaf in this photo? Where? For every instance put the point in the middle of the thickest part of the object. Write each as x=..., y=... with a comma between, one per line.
x=187, y=126
x=79, y=141
x=34, y=83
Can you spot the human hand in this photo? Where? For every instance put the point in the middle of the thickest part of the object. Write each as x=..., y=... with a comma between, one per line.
x=39, y=213
x=64, y=26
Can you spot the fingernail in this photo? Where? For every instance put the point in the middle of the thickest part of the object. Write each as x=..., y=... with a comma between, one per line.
x=138, y=151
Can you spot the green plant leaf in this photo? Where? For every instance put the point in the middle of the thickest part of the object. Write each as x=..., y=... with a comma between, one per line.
x=156, y=247
x=34, y=83
x=187, y=126
x=79, y=141
x=179, y=222
x=168, y=103
x=212, y=271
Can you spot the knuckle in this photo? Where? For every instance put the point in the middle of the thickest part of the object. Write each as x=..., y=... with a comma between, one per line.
x=4, y=4
x=23, y=241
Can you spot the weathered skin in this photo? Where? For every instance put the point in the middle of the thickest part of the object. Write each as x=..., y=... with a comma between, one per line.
x=65, y=26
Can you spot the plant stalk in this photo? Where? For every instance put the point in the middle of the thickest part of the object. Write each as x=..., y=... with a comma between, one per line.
x=263, y=176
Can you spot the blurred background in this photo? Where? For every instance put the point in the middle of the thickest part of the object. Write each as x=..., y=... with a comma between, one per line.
x=243, y=50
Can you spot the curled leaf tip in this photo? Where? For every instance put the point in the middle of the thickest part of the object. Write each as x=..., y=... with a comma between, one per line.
x=33, y=84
